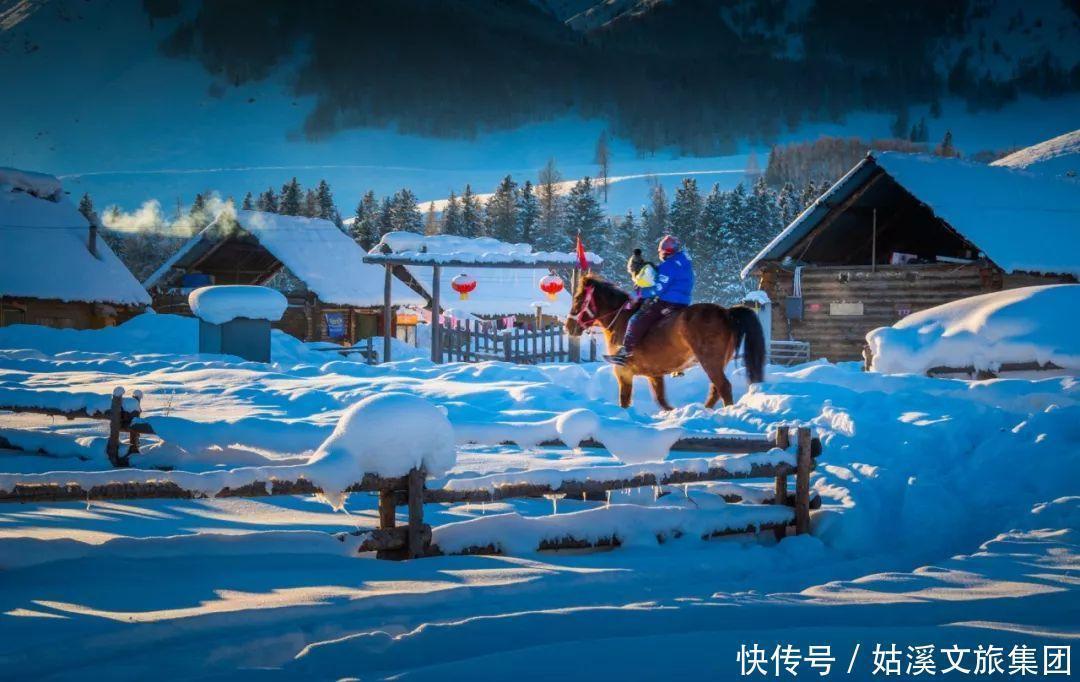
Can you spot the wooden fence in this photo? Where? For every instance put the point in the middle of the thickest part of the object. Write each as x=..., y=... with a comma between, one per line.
x=413, y=540
x=470, y=341
x=120, y=421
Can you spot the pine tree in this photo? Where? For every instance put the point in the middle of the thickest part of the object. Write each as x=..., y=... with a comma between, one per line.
x=431, y=221
x=292, y=198
x=550, y=235
x=709, y=281
x=528, y=212
x=86, y=207
x=764, y=216
x=733, y=250
x=900, y=124
x=311, y=204
x=626, y=236
x=405, y=212
x=602, y=159
x=584, y=216
x=472, y=214
x=199, y=214
x=809, y=195
x=268, y=201
x=946, y=147
x=249, y=202
x=325, y=201
x=787, y=203
x=685, y=216
x=501, y=219
x=452, y=220
x=655, y=216
x=365, y=228
x=386, y=216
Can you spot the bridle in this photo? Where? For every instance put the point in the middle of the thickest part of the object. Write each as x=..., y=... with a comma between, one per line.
x=588, y=307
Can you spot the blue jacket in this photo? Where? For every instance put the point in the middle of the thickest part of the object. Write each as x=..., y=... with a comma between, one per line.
x=674, y=280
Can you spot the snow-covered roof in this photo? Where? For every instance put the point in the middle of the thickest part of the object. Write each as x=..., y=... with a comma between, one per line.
x=1014, y=326
x=499, y=291
x=1058, y=155
x=324, y=258
x=1023, y=222
x=44, y=250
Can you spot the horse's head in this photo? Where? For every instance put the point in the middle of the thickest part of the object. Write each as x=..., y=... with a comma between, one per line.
x=595, y=301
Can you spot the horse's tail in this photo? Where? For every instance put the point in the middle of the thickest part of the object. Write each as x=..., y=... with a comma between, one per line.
x=748, y=330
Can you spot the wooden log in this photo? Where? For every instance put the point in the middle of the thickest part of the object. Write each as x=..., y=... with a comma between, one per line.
x=387, y=509
x=130, y=490
x=389, y=542
x=805, y=462
x=416, y=545
x=571, y=542
x=713, y=444
x=112, y=446
x=783, y=441
x=388, y=310
x=598, y=489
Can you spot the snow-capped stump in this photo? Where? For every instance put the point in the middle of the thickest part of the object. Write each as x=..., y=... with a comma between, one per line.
x=389, y=435
x=235, y=319
x=1027, y=328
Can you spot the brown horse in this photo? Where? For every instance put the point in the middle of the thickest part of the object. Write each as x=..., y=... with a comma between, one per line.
x=703, y=333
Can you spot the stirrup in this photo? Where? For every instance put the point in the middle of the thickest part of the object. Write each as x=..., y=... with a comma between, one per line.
x=678, y=373
x=619, y=358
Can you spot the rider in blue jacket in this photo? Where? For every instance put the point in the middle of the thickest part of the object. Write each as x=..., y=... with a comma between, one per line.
x=672, y=290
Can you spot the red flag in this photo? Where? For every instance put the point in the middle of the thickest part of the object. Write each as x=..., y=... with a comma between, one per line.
x=582, y=262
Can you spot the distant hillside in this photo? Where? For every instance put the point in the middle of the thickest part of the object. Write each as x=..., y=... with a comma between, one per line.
x=694, y=74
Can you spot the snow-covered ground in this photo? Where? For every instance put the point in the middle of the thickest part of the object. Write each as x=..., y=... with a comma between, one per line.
x=950, y=517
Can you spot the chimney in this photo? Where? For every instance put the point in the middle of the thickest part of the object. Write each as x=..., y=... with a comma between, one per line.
x=91, y=242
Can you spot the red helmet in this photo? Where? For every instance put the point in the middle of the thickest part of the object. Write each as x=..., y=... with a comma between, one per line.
x=669, y=245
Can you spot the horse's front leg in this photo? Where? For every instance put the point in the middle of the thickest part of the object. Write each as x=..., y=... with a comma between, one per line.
x=626, y=386
x=659, y=392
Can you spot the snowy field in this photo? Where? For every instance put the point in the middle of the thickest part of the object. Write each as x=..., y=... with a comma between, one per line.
x=951, y=516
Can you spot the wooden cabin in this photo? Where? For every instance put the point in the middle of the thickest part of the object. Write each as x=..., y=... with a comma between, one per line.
x=55, y=271
x=333, y=295
x=900, y=233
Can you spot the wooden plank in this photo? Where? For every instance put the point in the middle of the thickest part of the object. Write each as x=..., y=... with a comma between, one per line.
x=387, y=312
x=112, y=446
x=804, y=464
x=571, y=542
x=436, y=307
x=597, y=489
x=164, y=489
x=783, y=441
x=416, y=513
x=387, y=509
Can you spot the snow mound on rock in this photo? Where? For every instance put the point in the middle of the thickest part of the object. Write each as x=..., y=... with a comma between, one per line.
x=1031, y=324
x=221, y=304
x=386, y=434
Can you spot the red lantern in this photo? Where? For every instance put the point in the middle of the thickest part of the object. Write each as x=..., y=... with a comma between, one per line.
x=551, y=285
x=464, y=285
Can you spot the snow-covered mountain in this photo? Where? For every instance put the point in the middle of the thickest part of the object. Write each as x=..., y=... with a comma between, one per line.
x=1057, y=156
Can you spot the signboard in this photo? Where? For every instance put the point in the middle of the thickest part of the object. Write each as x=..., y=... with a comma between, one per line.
x=335, y=325
x=845, y=309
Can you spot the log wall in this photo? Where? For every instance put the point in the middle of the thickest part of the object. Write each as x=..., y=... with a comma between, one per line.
x=887, y=294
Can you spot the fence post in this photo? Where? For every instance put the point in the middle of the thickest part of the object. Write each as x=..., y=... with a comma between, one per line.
x=783, y=441
x=112, y=446
x=508, y=342
x=416, y=513
x=387, y=508
x=804, y=462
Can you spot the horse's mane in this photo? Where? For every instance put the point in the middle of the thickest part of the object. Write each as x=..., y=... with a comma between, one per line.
x=604, y=290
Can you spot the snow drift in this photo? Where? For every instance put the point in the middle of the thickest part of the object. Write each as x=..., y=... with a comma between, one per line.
x=1031, y=324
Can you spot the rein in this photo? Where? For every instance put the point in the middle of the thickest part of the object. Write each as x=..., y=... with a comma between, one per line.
x=588, y=307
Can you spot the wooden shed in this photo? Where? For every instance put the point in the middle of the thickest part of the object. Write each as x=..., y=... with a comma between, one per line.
x=54, y=269
x=333, y=295
x=900, y=233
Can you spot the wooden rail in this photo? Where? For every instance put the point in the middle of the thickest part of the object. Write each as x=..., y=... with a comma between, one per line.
x=414, y=540
x=120, y=421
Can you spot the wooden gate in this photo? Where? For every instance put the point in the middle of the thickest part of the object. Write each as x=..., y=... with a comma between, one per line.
x=471, y=341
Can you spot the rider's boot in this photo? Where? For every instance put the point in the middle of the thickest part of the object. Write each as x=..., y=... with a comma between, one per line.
x=619, y=357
